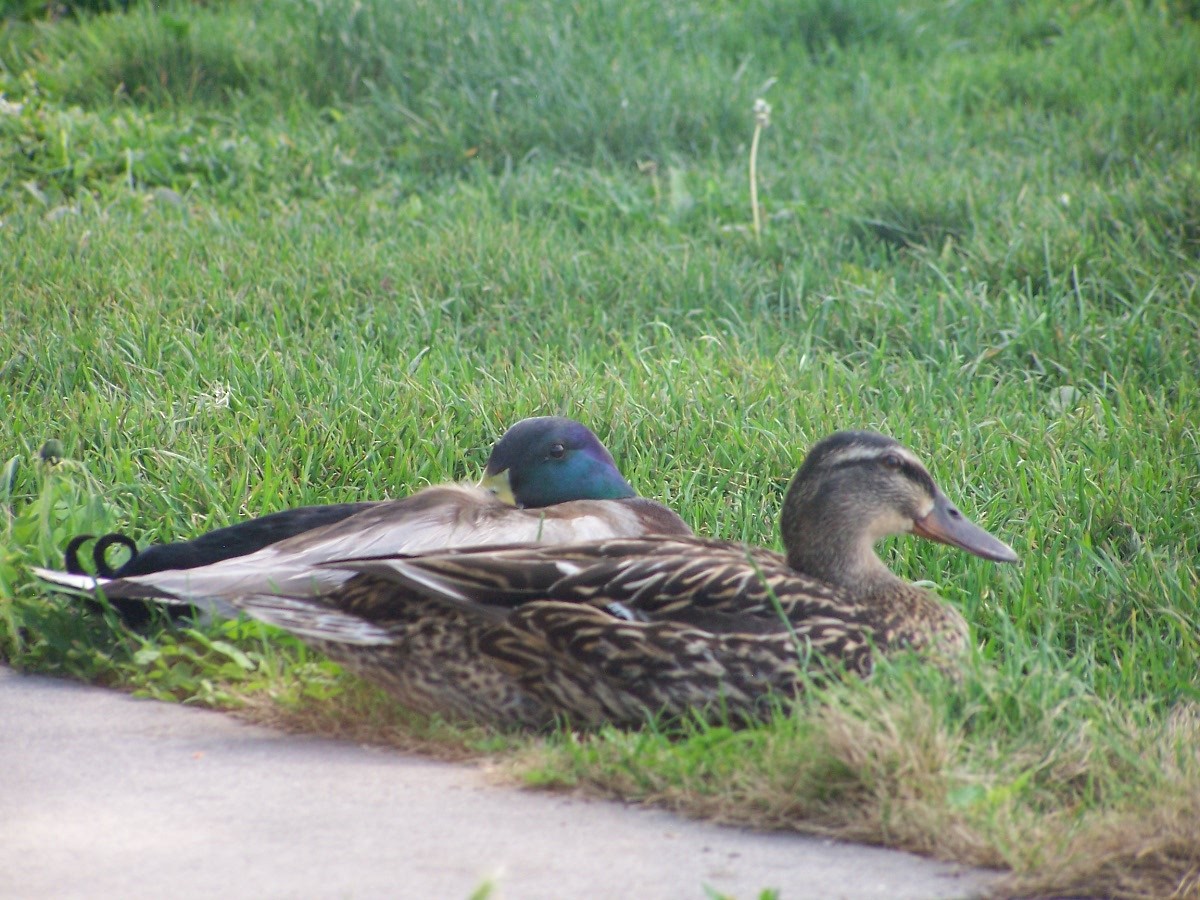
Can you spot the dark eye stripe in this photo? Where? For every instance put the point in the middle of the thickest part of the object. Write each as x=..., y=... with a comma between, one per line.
x=912, y=471
x=917, y=474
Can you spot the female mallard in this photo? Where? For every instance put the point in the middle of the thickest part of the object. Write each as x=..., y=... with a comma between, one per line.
x=608, y=631
x=548, y=479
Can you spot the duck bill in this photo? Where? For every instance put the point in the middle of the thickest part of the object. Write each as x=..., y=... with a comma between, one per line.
x=945, y=524
x=498, y=484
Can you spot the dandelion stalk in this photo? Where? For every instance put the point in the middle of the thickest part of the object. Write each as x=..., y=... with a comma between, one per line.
x=762, y=118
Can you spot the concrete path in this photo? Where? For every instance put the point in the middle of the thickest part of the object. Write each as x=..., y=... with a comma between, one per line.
x=105, y=796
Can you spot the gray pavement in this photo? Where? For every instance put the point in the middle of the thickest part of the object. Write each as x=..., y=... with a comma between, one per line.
x=103, y=795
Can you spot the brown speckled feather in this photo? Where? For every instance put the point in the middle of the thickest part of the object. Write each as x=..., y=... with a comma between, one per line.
x=712, y=584
x=635, y=626
x=425, y=653
x=548, y=659
x=600, y=669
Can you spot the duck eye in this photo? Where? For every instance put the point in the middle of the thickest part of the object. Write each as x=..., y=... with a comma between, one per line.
x=557, y=451
x=892, y=461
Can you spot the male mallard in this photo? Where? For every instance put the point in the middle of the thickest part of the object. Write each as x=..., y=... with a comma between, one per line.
x=213, y=546
x=538, y=462
x=610, y=630
x=566, y=484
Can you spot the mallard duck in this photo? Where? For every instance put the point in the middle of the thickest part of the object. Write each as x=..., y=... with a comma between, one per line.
x=238, y=539
x=538, y=462
x=548, y=479
x=614, y=630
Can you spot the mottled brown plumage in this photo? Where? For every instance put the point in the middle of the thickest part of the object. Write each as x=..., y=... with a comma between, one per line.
x=613, y=630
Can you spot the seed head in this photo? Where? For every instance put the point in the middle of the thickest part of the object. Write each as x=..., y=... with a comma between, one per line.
x=762, y=113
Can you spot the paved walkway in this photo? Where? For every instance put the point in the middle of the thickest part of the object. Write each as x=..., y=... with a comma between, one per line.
x=105, y=796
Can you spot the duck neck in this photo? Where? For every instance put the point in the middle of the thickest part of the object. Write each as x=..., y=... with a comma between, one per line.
x=834, y=548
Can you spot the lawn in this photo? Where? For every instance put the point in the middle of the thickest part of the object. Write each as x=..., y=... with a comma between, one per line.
x=255, y=255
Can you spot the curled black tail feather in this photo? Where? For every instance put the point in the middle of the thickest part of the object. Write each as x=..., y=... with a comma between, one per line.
x=100, y=553
x=71, y=554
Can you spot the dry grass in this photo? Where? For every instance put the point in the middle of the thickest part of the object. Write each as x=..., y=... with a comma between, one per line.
x=363, y=714
x=1151, y=850
x=880, y=779
x=864, y=767
x=1152, y=853
x=859, y=767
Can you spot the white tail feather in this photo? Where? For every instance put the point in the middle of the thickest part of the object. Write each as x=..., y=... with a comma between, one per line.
x=76, y=584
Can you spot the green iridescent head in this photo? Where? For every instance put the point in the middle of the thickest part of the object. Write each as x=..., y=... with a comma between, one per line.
x=550, y=459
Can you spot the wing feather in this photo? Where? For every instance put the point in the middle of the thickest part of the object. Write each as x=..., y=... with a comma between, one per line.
x=431, y=520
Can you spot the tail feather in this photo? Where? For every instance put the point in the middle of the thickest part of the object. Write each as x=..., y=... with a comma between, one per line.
x=71, y=554
x=73, y=583
x=304, y=618
x=91, y=585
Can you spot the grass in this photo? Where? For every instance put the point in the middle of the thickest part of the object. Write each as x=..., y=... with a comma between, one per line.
x=263, y=254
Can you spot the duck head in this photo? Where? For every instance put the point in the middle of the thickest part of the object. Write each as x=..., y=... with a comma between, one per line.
x=550, y=459
x=856, y=488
